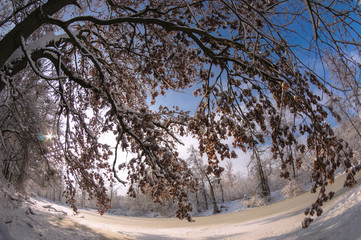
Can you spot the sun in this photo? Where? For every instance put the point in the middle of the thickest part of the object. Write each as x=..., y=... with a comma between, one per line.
x=49, y=136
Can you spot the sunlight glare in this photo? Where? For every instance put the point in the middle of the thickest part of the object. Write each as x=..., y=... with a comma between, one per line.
x=49, y=136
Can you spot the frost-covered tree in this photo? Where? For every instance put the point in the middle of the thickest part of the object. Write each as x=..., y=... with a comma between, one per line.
x=200, y=173
x=349, y=130
x=261, y=175
x=232, y=183
x=106, y=61
x=26, y=118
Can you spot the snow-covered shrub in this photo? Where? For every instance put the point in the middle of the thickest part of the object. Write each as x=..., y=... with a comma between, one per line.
x=275, y=182
x=255, y=201
x=292, y=189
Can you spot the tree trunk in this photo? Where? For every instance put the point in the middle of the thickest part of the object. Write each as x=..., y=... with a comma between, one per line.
x=205, y=195
x=60, y=191
x=293, y=165
x=265, y=190
x=83, y=194
x=53, y=195
x=213, y=197
x=197, y=200
x=111, y=196
x=220, y=185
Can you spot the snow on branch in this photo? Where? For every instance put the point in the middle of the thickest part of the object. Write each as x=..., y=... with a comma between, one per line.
x=35, y=45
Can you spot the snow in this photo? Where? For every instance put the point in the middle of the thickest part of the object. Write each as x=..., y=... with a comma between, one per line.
x=226, y=207
x=37, y=218
x=40, y=43
x=233, y=206
x=276, y=196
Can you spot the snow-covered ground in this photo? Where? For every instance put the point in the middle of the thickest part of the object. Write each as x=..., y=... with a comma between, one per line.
x=238, y=205
x=36, y=218
x=227, y=207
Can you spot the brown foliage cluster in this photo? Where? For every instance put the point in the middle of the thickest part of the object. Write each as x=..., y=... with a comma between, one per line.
x=112, y=61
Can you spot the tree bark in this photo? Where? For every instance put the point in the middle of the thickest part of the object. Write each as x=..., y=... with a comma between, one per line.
x=205, y=195
x=220, y=185
x=213, y=197
x=83, y=195
x=29, y=25
x=197, y=200
x=264, y=182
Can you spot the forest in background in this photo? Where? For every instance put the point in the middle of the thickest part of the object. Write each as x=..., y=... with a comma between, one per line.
x=230, y=186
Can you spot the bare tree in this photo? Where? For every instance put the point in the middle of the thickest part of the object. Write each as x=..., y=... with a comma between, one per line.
x=262, y=177
x=231, y=183
x=200, y=171
x=26, y=119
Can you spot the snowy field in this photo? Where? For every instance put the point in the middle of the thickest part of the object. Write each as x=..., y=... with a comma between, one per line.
x=36, y=218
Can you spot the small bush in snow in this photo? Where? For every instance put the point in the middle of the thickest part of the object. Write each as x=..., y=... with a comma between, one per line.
x=292, y=189
x=255, y=201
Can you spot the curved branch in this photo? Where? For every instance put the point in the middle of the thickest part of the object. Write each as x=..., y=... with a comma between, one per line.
x=12, y=40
